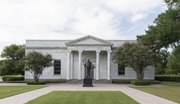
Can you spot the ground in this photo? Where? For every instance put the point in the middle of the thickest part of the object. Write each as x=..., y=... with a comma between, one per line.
x=84, y=97
x=170, y=91
x=6, y=91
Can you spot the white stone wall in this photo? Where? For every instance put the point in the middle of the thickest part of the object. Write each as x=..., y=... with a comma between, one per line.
x=48, y=73
x=130, y=73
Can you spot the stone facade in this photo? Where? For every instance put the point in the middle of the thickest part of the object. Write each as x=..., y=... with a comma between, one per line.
x=73, y=53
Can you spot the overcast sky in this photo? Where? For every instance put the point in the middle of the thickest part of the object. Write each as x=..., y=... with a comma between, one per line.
x=71, y=19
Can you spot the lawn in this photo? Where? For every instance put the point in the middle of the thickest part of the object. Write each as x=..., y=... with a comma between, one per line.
x=84, y=97
x=170, y=91
x=6, y=91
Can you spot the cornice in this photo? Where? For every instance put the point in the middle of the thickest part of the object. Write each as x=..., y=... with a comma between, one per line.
x=51, y=48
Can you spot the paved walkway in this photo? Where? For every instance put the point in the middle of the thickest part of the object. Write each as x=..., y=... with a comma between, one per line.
x=139, y=96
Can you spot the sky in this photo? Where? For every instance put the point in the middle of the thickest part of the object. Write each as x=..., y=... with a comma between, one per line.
x=71, y=19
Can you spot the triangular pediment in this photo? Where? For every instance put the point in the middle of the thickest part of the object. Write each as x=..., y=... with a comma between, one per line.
x=88, y=40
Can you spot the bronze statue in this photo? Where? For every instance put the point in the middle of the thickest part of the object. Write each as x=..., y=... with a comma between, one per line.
x=87, y=82
x=88, y=68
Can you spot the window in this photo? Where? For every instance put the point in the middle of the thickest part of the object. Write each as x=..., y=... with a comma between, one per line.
x=121, y=69
x=57, y=66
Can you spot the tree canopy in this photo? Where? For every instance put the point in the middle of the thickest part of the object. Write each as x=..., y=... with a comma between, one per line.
x=136, y=56
x=174, y=62
x=35, y=62
x=165, y=31
x=13, y=60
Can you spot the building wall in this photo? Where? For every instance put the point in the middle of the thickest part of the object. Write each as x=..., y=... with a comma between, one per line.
x=48, y=73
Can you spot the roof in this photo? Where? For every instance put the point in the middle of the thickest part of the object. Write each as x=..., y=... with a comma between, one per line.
x=87, y=40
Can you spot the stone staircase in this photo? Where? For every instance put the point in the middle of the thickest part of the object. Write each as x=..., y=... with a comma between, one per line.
x=94, y=81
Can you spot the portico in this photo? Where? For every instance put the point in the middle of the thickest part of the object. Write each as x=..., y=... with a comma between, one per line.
x=80, y=70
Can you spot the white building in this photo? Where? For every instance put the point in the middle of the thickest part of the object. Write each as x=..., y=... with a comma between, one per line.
x=69, y=56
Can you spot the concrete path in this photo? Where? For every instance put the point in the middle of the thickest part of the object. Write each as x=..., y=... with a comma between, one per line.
x=139, y=96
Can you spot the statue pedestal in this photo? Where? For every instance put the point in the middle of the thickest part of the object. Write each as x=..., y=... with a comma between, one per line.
x=87, y=82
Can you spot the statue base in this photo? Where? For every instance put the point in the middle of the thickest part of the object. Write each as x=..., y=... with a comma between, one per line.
x=87, y=82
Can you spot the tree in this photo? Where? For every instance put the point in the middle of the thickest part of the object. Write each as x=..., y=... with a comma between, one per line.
x=160, y=62
x=13, y=60
x=165, y=31
x=174, y=62
x=136, y=56
x=35, y=62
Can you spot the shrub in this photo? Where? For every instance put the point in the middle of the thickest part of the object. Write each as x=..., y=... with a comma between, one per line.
x=167, y=78
x=140, y=82
x=117, y=81
x=36, y=83
x=13, y=78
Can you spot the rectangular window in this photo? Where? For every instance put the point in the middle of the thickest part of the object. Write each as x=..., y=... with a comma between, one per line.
x=57, y=66
x=121, y=69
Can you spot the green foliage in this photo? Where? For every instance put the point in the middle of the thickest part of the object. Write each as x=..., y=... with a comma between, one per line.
x=164, y=32
x=35, y=62
x=13, y=78
x=136, y=56
x=121, y=81
x=140, y=82
x=13, y=60
x=167, y=78
x=174, y=62
x=160, y=62
x=36, y=83
x=118, y=81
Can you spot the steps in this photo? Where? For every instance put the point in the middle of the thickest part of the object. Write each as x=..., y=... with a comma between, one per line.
x=94, y=81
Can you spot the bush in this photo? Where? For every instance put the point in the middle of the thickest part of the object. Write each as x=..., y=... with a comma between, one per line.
x=117, y=81
x=13, y=78
x=140, y=82
x=167, y=78
x=36, y=83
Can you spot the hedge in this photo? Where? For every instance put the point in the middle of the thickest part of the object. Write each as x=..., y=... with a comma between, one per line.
x=13, y=78
x=140, y=82
x=118, y=81
x=167, y=78
x=36, y=83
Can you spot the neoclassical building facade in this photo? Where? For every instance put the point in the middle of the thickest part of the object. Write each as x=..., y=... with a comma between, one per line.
x=70, y=55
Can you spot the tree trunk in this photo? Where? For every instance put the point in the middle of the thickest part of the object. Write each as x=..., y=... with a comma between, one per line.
x=140, y=74
x=36, y=77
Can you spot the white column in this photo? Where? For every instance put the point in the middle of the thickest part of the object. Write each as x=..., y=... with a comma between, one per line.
x=97, y=64
x=108, y=65
x=68, y=64
x=80, y=64
x=72, y=65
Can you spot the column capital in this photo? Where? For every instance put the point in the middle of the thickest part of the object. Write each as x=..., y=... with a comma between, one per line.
x=69, y=51
x=109, y=51
x=80, y=51
x=98, y=51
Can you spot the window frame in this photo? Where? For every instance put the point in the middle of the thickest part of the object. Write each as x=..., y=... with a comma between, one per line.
x=57, y=66
x=121, y=69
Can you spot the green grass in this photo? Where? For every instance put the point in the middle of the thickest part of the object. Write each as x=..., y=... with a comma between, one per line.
x=6, y=91
x=84, y=97
x=170, y=91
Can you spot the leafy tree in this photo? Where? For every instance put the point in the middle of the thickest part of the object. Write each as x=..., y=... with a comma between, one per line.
x=12, y=62
x=165, y=31
x=174, y=62
x=160, y=61
x=36, y=62
x=136, y=56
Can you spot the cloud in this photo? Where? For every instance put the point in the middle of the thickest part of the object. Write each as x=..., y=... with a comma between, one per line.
x=70, y=19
